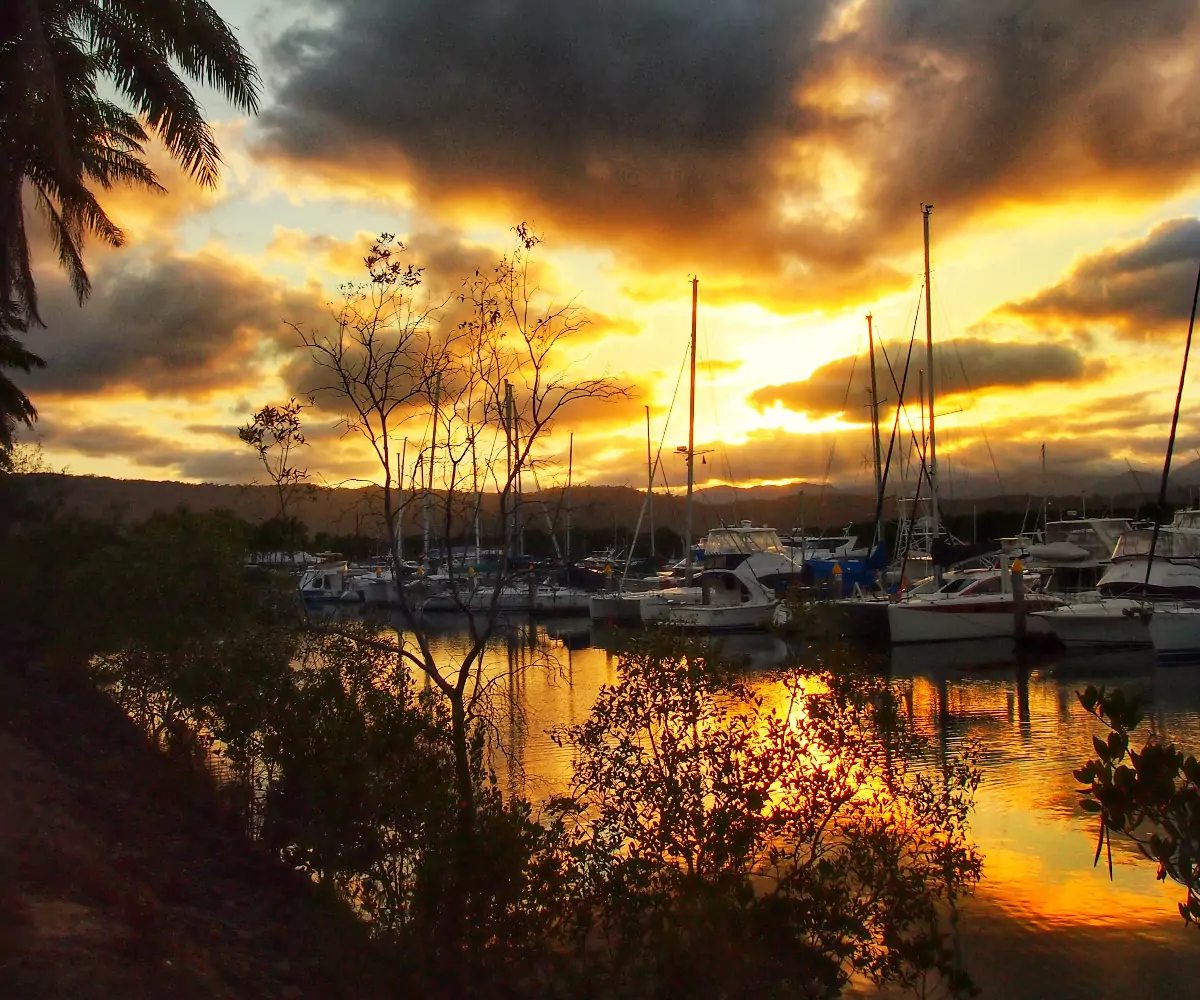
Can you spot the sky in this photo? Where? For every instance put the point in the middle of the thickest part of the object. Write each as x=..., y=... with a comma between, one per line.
x=778, y=151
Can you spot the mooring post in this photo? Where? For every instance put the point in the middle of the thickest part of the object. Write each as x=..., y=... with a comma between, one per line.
x=1018, y=602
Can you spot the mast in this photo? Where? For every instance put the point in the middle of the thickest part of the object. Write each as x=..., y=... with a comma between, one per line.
x=1166, y=473
x=875, y=433
x=510, y=528
x=924, y=456
x=649, y=482
x=1045, y=496
x=398, y=556
x=932, y=447
x=478, y=496
x=691, y=448
x=570, y=470
x=437, y=394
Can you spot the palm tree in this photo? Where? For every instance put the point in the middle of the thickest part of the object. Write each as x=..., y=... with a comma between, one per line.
x=15, y=406
x=59, y=138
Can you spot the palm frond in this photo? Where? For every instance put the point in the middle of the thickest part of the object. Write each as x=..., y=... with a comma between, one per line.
x=15, y=406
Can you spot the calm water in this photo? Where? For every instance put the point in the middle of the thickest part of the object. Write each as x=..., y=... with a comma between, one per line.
x=1043, y=922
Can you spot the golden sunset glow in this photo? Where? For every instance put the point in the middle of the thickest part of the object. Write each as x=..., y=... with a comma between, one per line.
x=781, y=156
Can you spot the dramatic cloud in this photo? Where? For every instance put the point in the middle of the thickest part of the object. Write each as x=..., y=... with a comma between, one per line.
x=162, y=323
x=783, y=146
x=1143, y=288
x=149, y=451
x=842, y=386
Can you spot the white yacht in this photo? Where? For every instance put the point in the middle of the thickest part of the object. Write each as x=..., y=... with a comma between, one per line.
x=541, y=599
x=1174, y=572
x=976, y=604
x=1175, y=631
x=329, y=583
x=729, y=600
x=1128, y=600
x=1100, y=623
x=744, y=567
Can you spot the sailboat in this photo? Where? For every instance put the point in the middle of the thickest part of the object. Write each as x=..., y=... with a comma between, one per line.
x=627, y=608
x=979, y=609
x=1145, y=610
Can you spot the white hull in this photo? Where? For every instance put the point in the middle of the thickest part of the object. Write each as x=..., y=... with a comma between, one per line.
x=714, y=617
x=1106, y=624
x=615, y=608
x=518, y=600
x=951, y=621
x=652, y=606
x=1175, y=633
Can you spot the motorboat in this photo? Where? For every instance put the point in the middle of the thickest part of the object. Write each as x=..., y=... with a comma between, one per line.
x=1175, y=632
x=1134, y=587
x=1100, y=623
x=976, y=604
x=759, y=550
x=729, y=599
x=755, y=553
x=330, y=583
x=541, y=599
x=1174, y=571
x=650, y=606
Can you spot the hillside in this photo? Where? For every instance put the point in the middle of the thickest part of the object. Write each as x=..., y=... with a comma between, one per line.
x=123, y=878
x=597, y=510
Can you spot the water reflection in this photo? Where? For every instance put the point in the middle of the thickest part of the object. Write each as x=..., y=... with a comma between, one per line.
x=1043, y=920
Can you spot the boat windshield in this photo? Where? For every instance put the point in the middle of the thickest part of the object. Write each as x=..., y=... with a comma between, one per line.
x=1170, y=545
x=726, y=543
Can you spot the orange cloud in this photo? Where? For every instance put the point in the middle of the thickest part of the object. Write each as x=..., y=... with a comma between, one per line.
x=1143, y=288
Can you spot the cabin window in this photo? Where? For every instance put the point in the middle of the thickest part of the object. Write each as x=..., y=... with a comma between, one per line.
x=988, y=585
x=956, y=586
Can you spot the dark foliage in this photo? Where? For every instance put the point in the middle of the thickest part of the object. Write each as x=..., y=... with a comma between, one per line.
x=1151, y=796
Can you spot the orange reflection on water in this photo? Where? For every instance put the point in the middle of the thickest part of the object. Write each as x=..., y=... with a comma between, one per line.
x=1039, y=893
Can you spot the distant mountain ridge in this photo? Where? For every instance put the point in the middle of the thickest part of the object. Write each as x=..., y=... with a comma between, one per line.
x=596, y=508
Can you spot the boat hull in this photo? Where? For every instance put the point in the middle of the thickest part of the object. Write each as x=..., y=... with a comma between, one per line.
x=615, y=609
x=1175, y=633
x=718, y=617
x=951, y=621
x=543, y=601
x=1110, y=624
x=653, y=607
x=865, y=618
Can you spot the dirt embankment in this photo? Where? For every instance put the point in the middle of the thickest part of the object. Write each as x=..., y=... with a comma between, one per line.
x=120, y=878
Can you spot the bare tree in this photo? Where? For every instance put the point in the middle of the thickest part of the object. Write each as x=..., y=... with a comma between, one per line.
x=485, y=393
x=275, y=433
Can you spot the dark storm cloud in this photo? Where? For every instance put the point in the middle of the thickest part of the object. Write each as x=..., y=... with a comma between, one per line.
x=842, y=385
x=1027, y=101
x=1143, y=288
x=656, y=101
x=162, y=324
x=673, y=130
